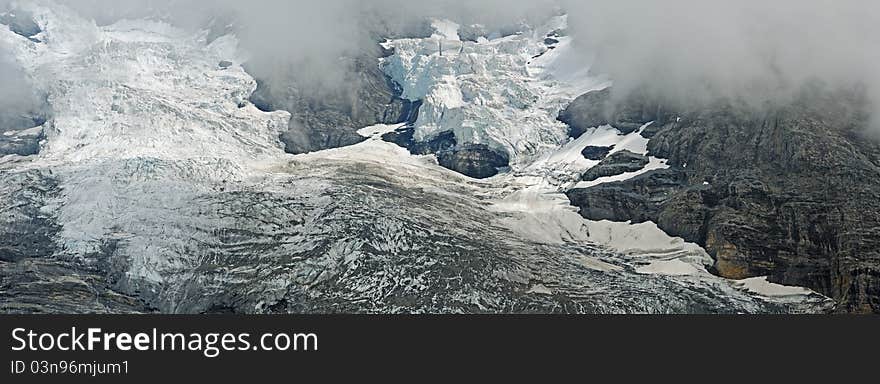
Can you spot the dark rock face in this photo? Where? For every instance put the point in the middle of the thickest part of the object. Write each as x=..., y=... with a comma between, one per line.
x=21, y=23
x=596, y=153
x=21, y=134
x=26, y=232
x=22, y=121
x=472, y=160
x=598, y=108
x=791, y=191
x=585, y=112
x=443, y=142
x=22, y=143
x=638, y=199
x=617, y=164
x=34, y=276
x=332, y=120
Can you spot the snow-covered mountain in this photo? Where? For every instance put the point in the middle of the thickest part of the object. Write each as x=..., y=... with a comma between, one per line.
x=159, y=186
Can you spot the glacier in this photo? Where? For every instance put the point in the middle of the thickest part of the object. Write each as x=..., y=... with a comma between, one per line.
x=504, y=92
x=159, y=178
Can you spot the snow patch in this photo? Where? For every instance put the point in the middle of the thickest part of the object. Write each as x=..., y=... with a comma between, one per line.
x=674, y=267
x=540, y=289
x=376, y=131
x=762, y=286
x=607, y=136
x=653, y=164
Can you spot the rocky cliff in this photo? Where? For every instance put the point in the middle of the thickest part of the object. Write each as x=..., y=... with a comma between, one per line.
x=790, y=191
x=23, y=110
x=331, y=119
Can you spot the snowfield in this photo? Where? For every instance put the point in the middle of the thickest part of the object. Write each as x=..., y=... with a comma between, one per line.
x=168, y=174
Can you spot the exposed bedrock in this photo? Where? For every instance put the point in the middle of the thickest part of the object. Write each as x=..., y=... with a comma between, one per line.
x=596, y=153
x=23, y=115
x=22, y=142
x=617, y=163
x=791, y=191
x=598, y=108
x=331, y=119
x=22, y=127
x=35, y=274
x=20, y=22
x=473, y=160
x=23, y=110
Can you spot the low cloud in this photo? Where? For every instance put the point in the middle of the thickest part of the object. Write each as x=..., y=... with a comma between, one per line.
x=684, y=50
x=688, y=50
x=20, y=106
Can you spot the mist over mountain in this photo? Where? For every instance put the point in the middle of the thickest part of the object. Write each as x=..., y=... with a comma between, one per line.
x=21, y=105
x=550, y=156
x=683, y=50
